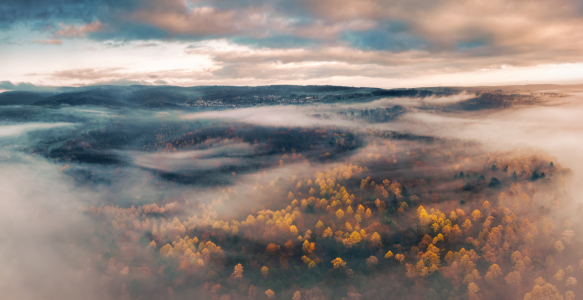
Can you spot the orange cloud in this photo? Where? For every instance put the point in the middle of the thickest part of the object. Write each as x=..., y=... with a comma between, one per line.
x=49, y=42
x=71, y=31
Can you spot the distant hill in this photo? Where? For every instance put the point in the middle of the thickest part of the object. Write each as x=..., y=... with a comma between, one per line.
x=174, y=97
x=20, y=98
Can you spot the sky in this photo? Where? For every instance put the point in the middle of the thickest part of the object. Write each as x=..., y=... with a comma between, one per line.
x=377, y=43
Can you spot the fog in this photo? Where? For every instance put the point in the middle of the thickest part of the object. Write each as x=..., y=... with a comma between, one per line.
x=416, y=101
x=17, y=130
x=41, y=251
x=294, y=116
x=555, y=127
x=92, y=204
x=214, y=157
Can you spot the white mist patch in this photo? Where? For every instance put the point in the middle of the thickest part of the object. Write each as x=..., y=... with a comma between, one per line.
x=463, y=96
x=206, y=159
x=415, y=101
x=16, y=130
x=270, y=116
x=294, y=116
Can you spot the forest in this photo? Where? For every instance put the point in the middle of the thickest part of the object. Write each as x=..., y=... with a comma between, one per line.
x=216, y=204
x=410, y=219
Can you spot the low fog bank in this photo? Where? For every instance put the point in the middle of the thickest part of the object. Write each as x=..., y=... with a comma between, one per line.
x=290, y=115
x=321, y=114
x=416, y=101
x=42, y=241
x=555, y=127
x=16, y=130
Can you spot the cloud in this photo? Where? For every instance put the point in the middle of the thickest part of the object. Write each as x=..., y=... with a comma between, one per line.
x=392, y=36
x=8, y=41
x=201, y=21
x=49, y=42
x=497, y=26
x=88, y=73
x=310, y=39
x=70, y=31
x=146, y=45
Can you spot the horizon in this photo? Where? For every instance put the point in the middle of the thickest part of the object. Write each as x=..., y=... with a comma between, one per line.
x=26, y=87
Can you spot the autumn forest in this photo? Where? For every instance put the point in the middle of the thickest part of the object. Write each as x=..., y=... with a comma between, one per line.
x=315, y=202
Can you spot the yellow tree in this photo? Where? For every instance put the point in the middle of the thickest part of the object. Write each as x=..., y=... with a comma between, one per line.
x=467, y=226
x=473, y=289
x=424, y=218
x=455, y=233
x=372, y=261
x=319, y=226
x=264, y=271
x=360, y=209
x=308, y=247
x=368, y=213
x=297, y=296
x=167, y=250
x=238, y=273
x=493, y=273
x=400, y=257
x=476, y=214
x=513, y=278
x=348, y=226
x=375, y=239
x=559, y=275
x=438, y=238
x=559, y=246
x=544, y=292
x=355, y=237
x=272, y=248
x=349, y=210
x=472, y=277
x=338, y=263
x=327, y=233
